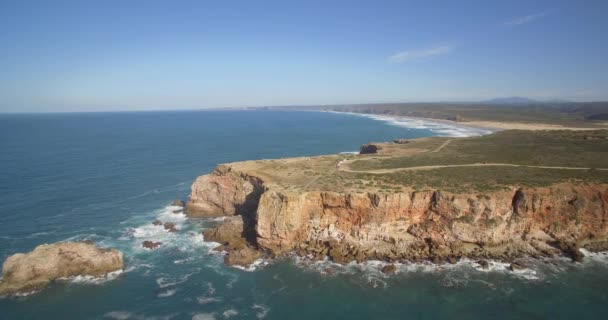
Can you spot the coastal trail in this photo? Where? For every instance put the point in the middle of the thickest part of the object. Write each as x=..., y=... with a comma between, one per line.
x=442, y=146
x=384, y=171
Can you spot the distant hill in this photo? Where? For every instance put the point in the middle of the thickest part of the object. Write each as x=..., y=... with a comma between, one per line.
x=512, y=101
x=521, y=101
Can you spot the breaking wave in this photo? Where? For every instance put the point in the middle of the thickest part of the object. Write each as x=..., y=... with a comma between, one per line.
x=440, y=128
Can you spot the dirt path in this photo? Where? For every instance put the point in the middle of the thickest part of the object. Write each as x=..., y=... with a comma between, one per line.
x=442, y=146
x=384, y=171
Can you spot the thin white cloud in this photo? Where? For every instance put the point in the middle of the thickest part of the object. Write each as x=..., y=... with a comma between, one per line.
x=526, y=19
x=409, y=55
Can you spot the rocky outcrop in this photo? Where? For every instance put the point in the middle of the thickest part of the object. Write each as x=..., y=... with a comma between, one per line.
x=401, y=141
x=47, y=262
x=178, y=203
x=170, y=227
x=239, y=247
x=432, y=225
x=151, y=244
x=388, y=269
x=369, y=148
x=224, y=192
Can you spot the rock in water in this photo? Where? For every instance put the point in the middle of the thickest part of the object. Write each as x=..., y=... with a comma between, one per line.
x=242, y=257
x=151, y=244
x=47, y=262
x=170, y=226
x=484, y=264
x=388, y=269
x=157, y=223
x=178, y=203
x=517, y=265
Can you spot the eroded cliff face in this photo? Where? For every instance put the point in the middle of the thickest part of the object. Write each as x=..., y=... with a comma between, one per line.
x=412, y=225
x=224, y=192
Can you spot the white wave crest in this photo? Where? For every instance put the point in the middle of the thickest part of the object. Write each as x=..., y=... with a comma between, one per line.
x=118, y=315
x=93, y=280
x=230, y=313
x=167, y=293
x=441, y=128
x=261, y=309
x=204, y=316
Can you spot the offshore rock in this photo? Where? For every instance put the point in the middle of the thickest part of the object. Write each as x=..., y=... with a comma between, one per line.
x=38, y=268
x=151, y=244
x=170, y=227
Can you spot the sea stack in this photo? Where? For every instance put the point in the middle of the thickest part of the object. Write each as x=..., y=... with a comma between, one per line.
x=35, y=270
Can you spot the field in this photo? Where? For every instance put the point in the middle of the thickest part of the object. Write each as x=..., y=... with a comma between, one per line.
x=504, y=159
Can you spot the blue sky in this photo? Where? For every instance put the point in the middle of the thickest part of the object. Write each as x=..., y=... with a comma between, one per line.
x=147, y=55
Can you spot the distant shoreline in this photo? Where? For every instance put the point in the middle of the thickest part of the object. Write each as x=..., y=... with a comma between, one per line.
x=487, y=125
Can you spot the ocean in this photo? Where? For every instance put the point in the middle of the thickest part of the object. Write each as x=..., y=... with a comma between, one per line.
x=106, y=176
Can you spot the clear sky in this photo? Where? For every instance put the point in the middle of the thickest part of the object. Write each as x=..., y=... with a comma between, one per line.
x=144, y=55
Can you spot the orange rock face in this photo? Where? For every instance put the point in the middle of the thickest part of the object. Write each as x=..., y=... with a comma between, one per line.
x=432, y=225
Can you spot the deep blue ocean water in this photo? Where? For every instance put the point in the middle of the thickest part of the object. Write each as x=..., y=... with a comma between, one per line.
x=106, y=176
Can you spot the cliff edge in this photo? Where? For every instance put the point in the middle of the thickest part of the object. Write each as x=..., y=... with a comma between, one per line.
x=337, y=207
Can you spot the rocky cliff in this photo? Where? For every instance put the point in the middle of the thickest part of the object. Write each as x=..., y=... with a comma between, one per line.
x=48, y=262
x=408, y=225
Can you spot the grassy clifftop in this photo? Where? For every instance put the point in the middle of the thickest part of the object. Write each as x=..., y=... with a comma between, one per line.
x=505, y=159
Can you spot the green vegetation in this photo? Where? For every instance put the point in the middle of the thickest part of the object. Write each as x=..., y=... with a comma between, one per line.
x=573, y=113
x=397, y=167
x=532, y=148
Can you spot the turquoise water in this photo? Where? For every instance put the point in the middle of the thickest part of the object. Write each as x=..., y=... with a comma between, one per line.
x=106, y=176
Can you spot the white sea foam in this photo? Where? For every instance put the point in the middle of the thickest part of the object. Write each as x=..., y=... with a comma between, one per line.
x=440, y=127
x=118, y=315
x=167, y=293
x=91, y=279
x=262, y=310
x=371, y=272
x=204, y=316
x=208, y=296
x=254, y=266
x=230, y=313
x=183, y=239
x=207, y=300
x=26, y=293
x=349, y=152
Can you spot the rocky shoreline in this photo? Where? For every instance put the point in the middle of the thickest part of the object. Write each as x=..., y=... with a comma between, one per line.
x=265, y=220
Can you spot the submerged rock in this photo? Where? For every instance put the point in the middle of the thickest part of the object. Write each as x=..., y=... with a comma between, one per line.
x=151, y=244
x=178, y=203
x=38, y=268
x=157, y=223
